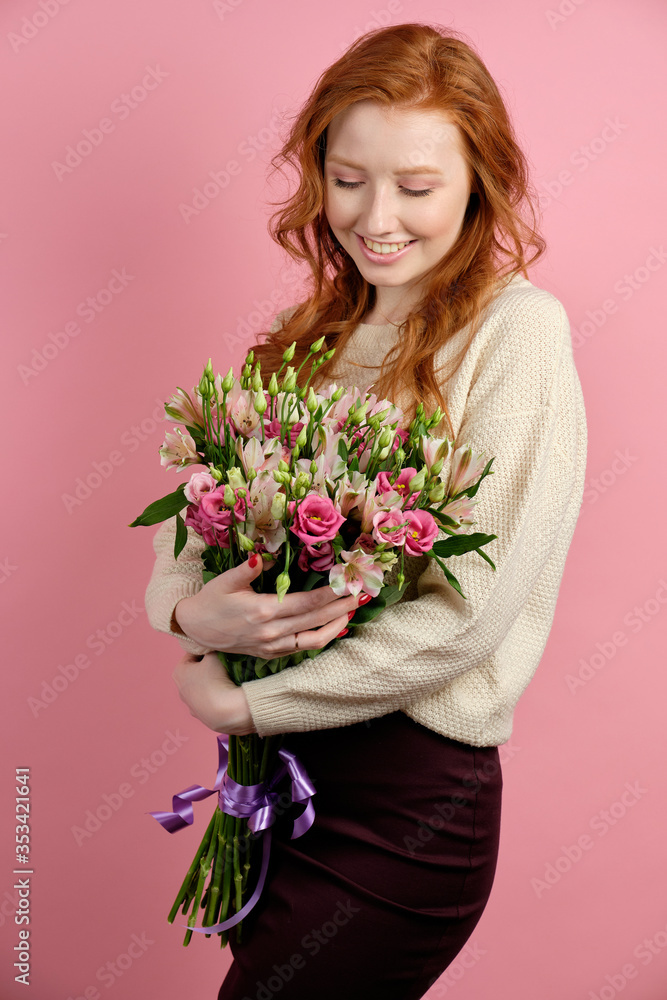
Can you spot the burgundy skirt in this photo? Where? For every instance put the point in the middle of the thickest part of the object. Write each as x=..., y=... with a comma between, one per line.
x=378, y=897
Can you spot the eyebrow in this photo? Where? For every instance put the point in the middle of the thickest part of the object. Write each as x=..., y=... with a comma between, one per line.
x=397, y=173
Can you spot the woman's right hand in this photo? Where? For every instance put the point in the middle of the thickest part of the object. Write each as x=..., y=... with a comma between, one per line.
x=227, y=614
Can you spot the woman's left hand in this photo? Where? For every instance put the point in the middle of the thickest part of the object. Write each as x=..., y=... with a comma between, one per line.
x=212, y=696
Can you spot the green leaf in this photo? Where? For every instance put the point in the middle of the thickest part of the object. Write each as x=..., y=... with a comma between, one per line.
x=181, y=536
x=209, y=575
x=342, y=449
x=389, y=594
x=393, y=593
x=366, y=613
x=484, y=556
x=163, y=508
x=311, y=580
x=261, y=667
x=449, y=576
x=196, y=432
x=452, y=580
x=456, y=545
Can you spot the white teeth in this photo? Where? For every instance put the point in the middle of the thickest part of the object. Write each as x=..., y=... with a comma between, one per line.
x=385, y=247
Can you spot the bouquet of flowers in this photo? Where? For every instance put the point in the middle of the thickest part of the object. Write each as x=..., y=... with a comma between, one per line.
x=329, y=490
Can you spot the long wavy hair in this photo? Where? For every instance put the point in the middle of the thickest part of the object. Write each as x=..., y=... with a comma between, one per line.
x=405, y=67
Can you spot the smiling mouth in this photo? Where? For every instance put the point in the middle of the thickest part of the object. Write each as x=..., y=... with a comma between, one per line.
x=386, y=248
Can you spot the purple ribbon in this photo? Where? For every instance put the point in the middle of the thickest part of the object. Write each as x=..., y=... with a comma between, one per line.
x=256, y=803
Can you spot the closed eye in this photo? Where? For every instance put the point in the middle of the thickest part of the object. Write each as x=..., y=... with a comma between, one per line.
x=349, y=185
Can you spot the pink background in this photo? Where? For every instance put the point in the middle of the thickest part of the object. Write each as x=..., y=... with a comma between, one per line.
x=221, y=75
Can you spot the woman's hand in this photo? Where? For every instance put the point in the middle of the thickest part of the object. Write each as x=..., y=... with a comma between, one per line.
x=227, y=614
x=212, y=696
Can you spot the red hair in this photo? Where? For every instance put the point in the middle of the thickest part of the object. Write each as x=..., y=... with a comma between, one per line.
x=430, y=71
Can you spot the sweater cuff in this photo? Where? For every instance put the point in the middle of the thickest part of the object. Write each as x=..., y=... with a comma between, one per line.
x=190, y=646
x=272, y=707
x=162, y=611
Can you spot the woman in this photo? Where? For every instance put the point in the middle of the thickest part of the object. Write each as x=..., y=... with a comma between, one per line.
x=408, y=214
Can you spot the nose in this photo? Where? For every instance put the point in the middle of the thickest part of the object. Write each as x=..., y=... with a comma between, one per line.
x=380, y=213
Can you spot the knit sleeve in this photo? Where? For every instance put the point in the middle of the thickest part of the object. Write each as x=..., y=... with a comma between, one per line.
x=524, y=408
x=173, y=579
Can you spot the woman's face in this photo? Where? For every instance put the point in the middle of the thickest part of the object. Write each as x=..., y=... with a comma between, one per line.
x=392, y=176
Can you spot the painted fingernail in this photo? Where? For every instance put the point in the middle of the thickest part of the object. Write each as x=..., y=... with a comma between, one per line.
x=253, y=560
x=350, y=615
x=344, y=632
x=364, y=599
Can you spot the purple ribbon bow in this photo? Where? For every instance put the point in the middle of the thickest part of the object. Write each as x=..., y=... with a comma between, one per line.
x=256, y=803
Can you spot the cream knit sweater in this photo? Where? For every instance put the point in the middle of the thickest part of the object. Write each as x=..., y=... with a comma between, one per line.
x=456, y=666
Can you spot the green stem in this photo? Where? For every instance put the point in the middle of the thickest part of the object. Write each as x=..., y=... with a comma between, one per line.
x=238, y=884
x=227, y=876
x=266, y=749
x=204, y=870
x=213, y=902
x=184, y=892
x=246, y=779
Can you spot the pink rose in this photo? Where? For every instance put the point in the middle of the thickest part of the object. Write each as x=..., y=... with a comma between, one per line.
x=319, y=557
x=272, y=430
x=199, y=484
x=389, y=526
x=365, y=542
x=193, y=518
x=212, y=510
x=210, y=519
x=215, y=518
x=316, y=519
x=216, y=536
x=400, y=439
x=421, y=532
x=400, y=486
